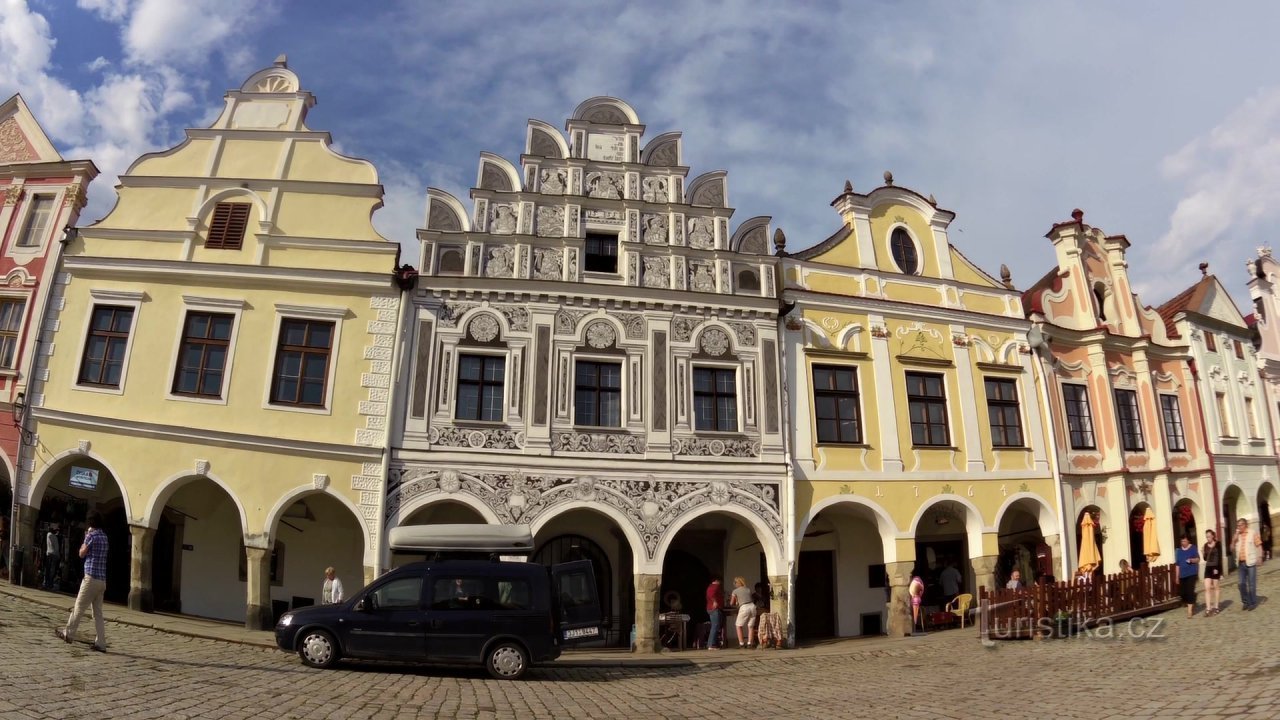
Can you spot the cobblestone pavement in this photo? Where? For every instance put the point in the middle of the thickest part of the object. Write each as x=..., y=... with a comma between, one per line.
x=1224, y=666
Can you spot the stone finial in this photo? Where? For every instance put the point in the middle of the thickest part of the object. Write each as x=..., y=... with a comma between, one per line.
x=1264, y=251
x=933, y=200
x=281, y=61
x=888, y=178
x=1077, y=215
x=1204, y=269
x=779, y=241
x=1006, y=277
x=848, y=186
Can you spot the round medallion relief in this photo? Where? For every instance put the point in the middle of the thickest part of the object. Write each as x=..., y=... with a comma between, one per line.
x=601, y=335
x=715, y=342
x=483, y=328
x=716, y=447
x=475, y=439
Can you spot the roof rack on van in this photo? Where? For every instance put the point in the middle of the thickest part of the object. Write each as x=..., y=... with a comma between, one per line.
x=504, y=539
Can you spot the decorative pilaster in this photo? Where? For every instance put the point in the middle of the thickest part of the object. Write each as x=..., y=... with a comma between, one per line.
x=984, y=572
x=140, y=591
x=21, y=555
x=257, y=613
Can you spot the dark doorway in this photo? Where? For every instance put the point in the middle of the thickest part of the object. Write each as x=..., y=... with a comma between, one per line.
x=1137, y=520
x=815, y=595
x=166, y=565
x=569, y=548
x=684, y=586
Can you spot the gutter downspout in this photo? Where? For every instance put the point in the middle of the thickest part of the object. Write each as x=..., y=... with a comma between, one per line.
x=1204, y=435
x=788, y=492
x=406, y=279
x=1046, y=410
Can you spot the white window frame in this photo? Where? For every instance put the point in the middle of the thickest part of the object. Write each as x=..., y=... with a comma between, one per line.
x=623, y=388
x=25, y=298
x=118, y=298
x=1251, y=418
x=458, y=352
x=737, y=392
x=223, y=306
x=888, y=246
x=333, y=314
x=862, y=401
x=1225, y=428
x=1023, y=423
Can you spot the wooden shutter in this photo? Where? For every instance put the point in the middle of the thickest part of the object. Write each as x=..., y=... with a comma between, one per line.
x=226, y=229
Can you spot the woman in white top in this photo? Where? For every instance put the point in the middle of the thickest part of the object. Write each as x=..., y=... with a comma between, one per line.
x=741, y=597
x=331, y=593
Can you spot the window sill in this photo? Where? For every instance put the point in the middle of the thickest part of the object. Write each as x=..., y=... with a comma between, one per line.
x=483, y=424
x=832, y=443
x=1015, y=448
x=614, y=429
x=1084, y=448
x=952, y=448
x=307, y=409
x=200, y=399
x=8, y=373
x=104, y=389
x=730, y=434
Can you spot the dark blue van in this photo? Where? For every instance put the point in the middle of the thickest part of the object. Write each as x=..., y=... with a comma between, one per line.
x=453, y=608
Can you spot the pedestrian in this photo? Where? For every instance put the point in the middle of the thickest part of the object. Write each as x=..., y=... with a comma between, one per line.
x=92, y=587
x=715, y=599
x=951, y=580
x=1212, y=556
x=1015, y=581
x=1188, y=560
x=331, y=593
x=915, y=589
x=1124, y=566
x=741, y=598
x=1248, y=547
x=52, y=557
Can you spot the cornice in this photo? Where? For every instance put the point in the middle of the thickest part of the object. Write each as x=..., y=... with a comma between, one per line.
x=878, y=306
x=249, y=274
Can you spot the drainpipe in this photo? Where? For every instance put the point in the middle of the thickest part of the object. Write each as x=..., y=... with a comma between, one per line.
x=406, y=278
x=788, y=492
x=1064, y=528
x=1208, y=450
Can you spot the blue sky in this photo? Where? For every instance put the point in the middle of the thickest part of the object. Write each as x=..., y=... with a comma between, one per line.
x=1159, y=119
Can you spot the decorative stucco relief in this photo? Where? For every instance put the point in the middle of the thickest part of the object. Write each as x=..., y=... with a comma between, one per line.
x=716, y=447
x=486, y=438
x=612, y=443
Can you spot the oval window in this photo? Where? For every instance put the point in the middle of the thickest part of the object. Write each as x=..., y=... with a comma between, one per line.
x=904, y=251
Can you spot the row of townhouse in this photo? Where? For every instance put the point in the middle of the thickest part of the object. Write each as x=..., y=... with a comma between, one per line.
x=238, y=370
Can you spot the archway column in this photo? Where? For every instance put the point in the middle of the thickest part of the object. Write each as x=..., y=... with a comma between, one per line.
x=646, y=620
x=1055, y=549
x=899, y=610
x=984, y=572
x=780, y=604
x=140, y=591
x=21, y=553
x=258, y=589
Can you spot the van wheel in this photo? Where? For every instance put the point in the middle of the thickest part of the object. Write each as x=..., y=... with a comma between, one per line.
x=318, y=649
x=507, y=661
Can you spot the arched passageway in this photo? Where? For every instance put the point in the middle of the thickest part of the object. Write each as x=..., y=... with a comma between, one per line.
x=198, y=562
x=72, y=489
x=583, y=534
x=841, y=583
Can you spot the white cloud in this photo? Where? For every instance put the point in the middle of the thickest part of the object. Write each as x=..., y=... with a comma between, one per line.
x=109, y=10
x=163, y=32
x=26, y=46
x=99, y=63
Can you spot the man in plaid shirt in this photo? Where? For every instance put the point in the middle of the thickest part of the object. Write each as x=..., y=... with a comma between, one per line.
x=94, y=552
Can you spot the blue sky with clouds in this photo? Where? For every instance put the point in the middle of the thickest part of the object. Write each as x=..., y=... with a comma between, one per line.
x=1159, y=119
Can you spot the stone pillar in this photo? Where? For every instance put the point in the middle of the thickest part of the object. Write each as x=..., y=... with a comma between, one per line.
x=899, y=609
x=257, y=614
x=780, y=605
x=647, y=613
x=21, y=568
x=370, y=574
x=140, y=592
x=984, y=573
x=1055, y=546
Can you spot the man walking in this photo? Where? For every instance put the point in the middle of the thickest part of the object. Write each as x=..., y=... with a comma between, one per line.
x=52, y=557
x=94, y=552
x=1248, y=547
x=715, y=600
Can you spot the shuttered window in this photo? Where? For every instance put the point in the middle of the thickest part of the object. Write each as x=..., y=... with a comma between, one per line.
x=226, y=230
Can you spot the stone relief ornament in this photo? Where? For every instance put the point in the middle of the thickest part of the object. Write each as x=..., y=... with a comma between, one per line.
x=551, y=221
x=610, y=443
x=487, y=439
x=501, y=262
x=450, y=481
x=483, y=327
x=657, y=272
x=701, y=278
x=664, y=154
x=632, y=324
x=655, y=229
x=746, y=333
x=554, y=182
x=682, y=328
x=567, y=321
x=601, y=334
x=611, y=217
x=443, y=218
x=13, y=144
x=633, y=187
x=701, y=447
x=606, y=185
x=714, y=342
x=451, y=313
x=701, y=235
x=504, y=220
x=654, y=190
x=547, y=264
x=517, y=316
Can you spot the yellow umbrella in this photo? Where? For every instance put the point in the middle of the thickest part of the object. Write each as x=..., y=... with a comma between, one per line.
x=1150, y=542
x=1089, y=555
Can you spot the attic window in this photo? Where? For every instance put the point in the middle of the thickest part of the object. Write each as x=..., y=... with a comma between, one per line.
x=1239, y=349
x=226, y=229
x=1209, y=343
x=1100, y=299
x=904, y=251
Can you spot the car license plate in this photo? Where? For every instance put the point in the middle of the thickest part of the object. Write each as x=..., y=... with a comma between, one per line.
x=576, y=633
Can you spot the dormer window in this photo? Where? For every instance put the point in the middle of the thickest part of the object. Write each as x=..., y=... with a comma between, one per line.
x=1100, y=300
x=226, y=229
x=904, y=251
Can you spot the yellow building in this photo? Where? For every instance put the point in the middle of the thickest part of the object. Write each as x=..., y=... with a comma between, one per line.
x=216, y=368
x=918, y=434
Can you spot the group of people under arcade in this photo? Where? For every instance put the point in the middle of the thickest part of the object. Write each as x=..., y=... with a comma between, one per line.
x=747, y=608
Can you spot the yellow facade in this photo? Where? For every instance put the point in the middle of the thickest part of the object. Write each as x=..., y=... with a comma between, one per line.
x=270, y=467
x=886, y=306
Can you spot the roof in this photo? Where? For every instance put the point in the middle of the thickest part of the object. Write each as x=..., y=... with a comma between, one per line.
x=1031, y=296
x=1192, y=297
x=473, y=537
x=833, y=240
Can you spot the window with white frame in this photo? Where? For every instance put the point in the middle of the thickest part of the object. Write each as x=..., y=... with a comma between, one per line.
x=1003, y=412
x=102, y=363
x=597, y=396
x=1130, y=420
x=1075, y=399
x=927, y=408
x=1174, y=436
x=715, y=399
x=11, y=312
x=1251, y=417
x=202, y=359
x=301, y=373
x=836, y=404
x=1224, y=415
x=39, y=219
x=481, y=379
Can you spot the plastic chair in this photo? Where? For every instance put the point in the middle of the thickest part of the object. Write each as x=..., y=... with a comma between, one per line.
x=959, y=606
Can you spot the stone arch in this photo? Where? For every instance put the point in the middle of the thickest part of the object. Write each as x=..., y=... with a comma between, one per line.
x=233, y=193
x=543, y=138
x=172, y=484
x=663, y=150
x=583, y=331
x=606, y=110
x=710, y=189
x=1045, y=514
x=36, y=494
x=638, y=552
x=706, y=345
x=884, y=523
x=768, y=541
x=752, y=236
x=973, y=523
x=1242, y=506
x=445, y=212
x=1197, y=520
x=406, y=510
x=497, y=173
x=276, y=79
x=1269, y=494
x=302, y=491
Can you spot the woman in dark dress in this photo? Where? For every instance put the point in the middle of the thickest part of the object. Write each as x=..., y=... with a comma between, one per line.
x=1211, y=555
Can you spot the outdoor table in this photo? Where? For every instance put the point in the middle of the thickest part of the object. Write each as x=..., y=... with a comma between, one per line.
x=677, y=622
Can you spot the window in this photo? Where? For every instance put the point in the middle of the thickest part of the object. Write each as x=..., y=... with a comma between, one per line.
x=10, y=324
x=715, y=399
x=206, y=338
x=461, y=593
x=1002, y=410
x=103, y=360
x=301, y=373
x=480, y=380
x=1224, y=417
x=1210, y=343
x=904, y=251
x=1173, y=435
x=836, y=404
x=601, y=253
x=598, y=394
x=38, y=221
x=1079, y=420
x=1238, y=348
x=405, y=592
x=1251, y=418
x=226, y=229
x=1130, y=422
x=514, y=594
x=927, y=407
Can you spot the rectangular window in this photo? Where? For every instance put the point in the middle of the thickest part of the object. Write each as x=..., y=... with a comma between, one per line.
x=103, y=360
x=480, y=383
x=206, y=338
x=1003, y=412
x=1239, y=349
x=597, y=399
x=10, y=326
x=38, y=221
x=1210, y=343
x=1079, y=419
x=1224, y=417
x=301, y=374
x=1129, y=419
x=715, y=399
x=837, y=406
x=1251, y=417
x=601, y=253
x=927, y=407
x=1173, y=434
x=460, y=592
x=226, y=229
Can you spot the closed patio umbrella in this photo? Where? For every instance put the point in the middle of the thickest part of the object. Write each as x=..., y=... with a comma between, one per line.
x=1150, y=541
x=1089, y=555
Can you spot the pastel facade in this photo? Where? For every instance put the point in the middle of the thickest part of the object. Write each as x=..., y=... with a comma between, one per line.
x=918, y=435
x=594, y=353
x=1265, y=340
x=1124, y=401
x=216, y=367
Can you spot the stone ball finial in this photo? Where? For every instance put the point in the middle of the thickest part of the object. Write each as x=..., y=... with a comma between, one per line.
x=933, y=200
x=888, y=178
x=1077, y=215
x=1204, y=269
x=848, y=186
x=281, y=61
x=779, y=241
x=1006, y=277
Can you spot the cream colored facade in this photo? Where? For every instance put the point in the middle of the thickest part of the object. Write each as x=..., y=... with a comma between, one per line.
x=870, y=490
x=227, y=501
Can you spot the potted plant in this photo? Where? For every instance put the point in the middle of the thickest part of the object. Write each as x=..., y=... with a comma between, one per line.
x=1062, y=624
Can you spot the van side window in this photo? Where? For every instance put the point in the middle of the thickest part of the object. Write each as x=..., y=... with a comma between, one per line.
x=514, y=594
x=401, y=593
x=452, y=592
